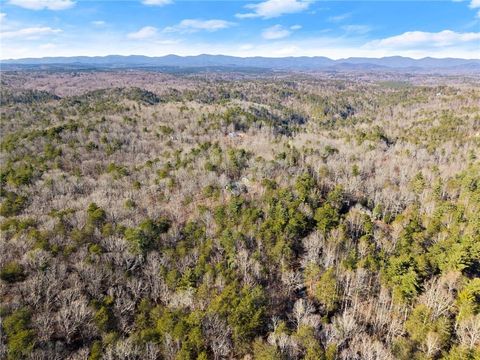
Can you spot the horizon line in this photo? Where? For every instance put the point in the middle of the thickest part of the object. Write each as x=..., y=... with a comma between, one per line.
x=238, y=57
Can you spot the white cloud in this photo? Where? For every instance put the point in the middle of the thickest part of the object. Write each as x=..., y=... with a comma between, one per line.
x=157, y=2
x=414, y=39
x=194, y=25
x=43, y=4
x=357, y=29
x=274, y=8
x=339, y=18
x=275, y=32
x=475, y=4
x=144, y=33
x=2, y=16
x=99, y=23
x=29, y=33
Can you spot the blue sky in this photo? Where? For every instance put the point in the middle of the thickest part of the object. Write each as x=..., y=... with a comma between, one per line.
x=337, y=29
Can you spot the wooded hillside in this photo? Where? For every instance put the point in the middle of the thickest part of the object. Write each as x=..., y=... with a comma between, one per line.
x=232, y=216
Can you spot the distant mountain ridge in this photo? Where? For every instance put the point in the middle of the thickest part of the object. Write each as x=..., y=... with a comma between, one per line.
x=281, y=63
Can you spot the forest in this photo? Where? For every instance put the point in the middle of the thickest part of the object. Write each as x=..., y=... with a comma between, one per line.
x=229, y=215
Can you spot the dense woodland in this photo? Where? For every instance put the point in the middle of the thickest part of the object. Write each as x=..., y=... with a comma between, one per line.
x=322, y=216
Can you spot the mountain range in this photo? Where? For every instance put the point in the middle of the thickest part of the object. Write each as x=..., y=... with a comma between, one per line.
x=272, y=63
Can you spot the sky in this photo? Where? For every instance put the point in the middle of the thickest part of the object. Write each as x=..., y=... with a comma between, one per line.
x=275, y=28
